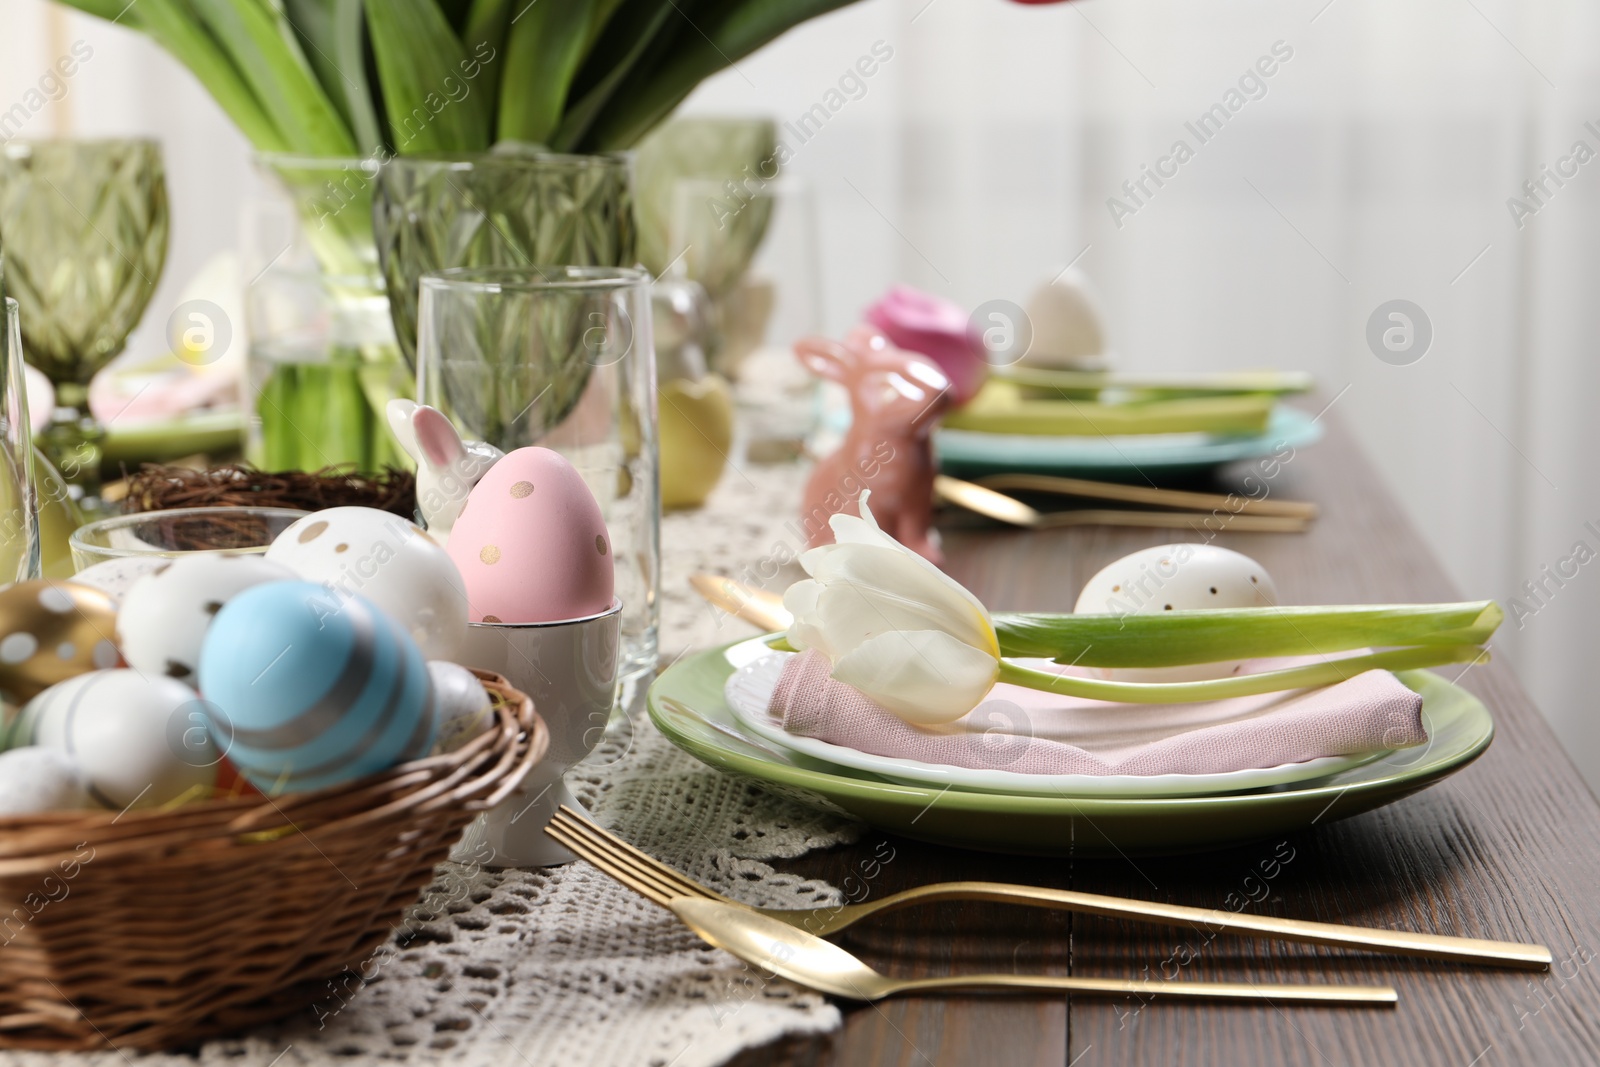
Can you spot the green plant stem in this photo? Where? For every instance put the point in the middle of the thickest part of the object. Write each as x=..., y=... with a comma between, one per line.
x=1306, y=677
x=1176, y=638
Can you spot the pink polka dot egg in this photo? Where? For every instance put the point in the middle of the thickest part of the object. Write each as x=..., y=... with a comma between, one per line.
x=531, y=543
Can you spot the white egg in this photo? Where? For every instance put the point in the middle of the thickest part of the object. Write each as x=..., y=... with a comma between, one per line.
x=461, y=705
x=137, y=742
x=388, y=560
x=1176, y=578
x=164, y=616
x=36, y=779
x=1067, y=324
x=115, y=577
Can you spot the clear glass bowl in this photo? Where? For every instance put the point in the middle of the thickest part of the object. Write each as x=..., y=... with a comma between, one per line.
x=180, y=532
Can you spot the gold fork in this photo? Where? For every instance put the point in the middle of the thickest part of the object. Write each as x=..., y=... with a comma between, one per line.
x=663, y=884
x=771, y=941
x=784, y=950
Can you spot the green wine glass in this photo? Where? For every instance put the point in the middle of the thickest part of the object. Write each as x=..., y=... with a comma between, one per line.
x=85, y=230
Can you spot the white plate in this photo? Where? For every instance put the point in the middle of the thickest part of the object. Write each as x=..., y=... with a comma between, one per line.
x=752, y=680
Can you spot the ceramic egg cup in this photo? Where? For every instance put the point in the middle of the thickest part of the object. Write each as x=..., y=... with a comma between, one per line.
x=569, y=668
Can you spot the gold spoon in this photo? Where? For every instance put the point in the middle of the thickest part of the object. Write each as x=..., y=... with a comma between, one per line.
x=807, y=960
x=759, y=607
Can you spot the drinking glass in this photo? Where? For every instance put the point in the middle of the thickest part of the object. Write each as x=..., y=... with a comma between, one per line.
x=19, y=499
x=85, y=228
x=561, y=357
x=231, y=530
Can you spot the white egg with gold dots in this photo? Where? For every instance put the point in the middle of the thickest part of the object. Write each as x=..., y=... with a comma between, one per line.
x=389, y=561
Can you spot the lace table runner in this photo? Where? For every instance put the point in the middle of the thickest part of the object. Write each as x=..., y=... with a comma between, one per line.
x=561, y=965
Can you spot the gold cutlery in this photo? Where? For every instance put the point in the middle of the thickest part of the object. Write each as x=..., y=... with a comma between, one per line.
x=776, y=947
x=1144, y=494
x=759, y=607
x=662, y=884
x=987, y=500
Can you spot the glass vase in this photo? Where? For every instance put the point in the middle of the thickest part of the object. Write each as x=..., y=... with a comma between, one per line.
x=323, y=360
x=497, y=210
x=322, y=367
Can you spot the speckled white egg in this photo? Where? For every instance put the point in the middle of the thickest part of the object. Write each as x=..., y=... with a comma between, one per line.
x=37, y=779
x=165, y=615
x=1176, y=578
x=391, y=562
x=461, y=705
x=137, y=742
x=115, y=577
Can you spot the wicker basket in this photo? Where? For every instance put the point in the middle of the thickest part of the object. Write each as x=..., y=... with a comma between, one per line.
x=156, y=929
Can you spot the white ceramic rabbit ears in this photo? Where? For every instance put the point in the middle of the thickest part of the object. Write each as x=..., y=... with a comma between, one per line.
x=425, y=433
x=399, y=413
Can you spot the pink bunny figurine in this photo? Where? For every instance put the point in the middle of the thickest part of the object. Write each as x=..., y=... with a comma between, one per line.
x=895, y=397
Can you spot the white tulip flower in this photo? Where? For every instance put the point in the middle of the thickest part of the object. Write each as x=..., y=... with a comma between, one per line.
x=893, y=625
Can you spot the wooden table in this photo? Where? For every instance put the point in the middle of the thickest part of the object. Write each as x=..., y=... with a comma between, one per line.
x=1509, y=848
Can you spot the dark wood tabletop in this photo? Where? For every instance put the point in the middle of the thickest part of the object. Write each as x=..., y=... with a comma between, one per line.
x=1509, y=848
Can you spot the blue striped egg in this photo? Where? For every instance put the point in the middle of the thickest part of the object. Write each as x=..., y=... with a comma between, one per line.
x=309, y=688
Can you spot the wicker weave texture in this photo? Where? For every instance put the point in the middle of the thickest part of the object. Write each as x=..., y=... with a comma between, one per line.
x=155, y=929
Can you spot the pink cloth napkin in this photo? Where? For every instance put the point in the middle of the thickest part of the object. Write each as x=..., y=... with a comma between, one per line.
x=1031, y=732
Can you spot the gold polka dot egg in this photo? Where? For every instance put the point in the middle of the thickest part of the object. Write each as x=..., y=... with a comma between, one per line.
x=51, y=631
x=391, y=562
x=531, y=543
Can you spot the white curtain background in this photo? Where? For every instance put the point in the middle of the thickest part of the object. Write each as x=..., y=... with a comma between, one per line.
x=1374, y=164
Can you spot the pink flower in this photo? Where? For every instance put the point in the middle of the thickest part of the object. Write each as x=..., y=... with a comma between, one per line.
x=919, y=322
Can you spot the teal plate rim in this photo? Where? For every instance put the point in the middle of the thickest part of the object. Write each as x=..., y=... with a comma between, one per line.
x=972, y=450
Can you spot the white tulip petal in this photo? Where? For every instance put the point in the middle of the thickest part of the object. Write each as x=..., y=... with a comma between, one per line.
x=848, y=529
x=867, y=591
x=926, y=677
x=851, y=530
x=801, y=600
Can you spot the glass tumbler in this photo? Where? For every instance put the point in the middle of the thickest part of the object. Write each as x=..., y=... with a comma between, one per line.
x=561, y=357
x=19, y=498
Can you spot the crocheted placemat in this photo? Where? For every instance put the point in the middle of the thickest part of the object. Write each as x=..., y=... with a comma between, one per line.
x=562, y=965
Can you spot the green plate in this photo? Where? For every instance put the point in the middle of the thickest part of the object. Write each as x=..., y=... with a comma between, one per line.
x=686, y=704
x=966, y=453
x=167, y=439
